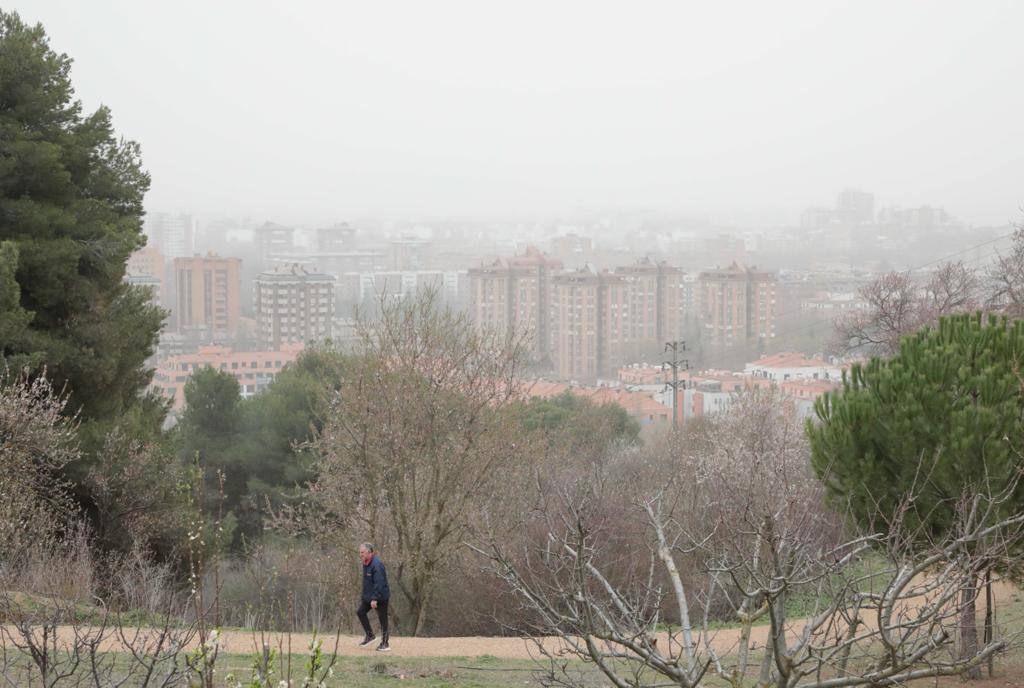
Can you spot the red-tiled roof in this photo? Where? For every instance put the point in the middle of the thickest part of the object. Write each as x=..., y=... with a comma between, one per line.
x=789, y=359
x=635, y=403
x=817, y=386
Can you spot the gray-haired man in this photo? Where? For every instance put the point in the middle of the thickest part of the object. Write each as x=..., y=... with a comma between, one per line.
x=376, y=594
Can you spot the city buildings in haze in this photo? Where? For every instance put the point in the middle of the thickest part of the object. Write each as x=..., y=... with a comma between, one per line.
x=173, y=234
x=293, y=303
x=737, y=305
x=208, y=298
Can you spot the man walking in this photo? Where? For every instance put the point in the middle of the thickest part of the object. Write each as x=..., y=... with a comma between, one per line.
x=375, y=596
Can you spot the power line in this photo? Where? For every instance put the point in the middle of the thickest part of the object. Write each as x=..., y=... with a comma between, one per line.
x=907, y=271
x=969, y=248
x=974, y=262
x=675, y=364
x=914, y=268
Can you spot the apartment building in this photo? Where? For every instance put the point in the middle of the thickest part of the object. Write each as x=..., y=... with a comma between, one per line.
x=516, y=293
x=336, y=238
x=368, y=288
x=208, y=299
x=791, y=365
x=293, y=304
x=411, y=254
x=572, y=247
x=149, y=262
x=274, y=240
x=658, y=300
x=737, y=305
x=855, y=207
x=581, y=327
x=173, y=234
x=254, y=370
x=586, y=323
x=602, y=320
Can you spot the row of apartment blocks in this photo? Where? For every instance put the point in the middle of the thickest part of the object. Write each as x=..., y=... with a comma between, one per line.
x=587, y=323
x=292, y=303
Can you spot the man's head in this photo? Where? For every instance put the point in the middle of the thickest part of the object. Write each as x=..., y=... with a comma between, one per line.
x=366, y=552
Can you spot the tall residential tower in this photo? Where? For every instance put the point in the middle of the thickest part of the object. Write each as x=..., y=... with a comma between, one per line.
x=293, y=304
x=737, y=305
x=516, y=293
x=208, y=296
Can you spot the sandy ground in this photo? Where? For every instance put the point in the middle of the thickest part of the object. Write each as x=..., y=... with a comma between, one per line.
x=243, y=642
x=724, y=641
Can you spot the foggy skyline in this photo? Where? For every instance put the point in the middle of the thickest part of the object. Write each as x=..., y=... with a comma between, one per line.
x=309, y=112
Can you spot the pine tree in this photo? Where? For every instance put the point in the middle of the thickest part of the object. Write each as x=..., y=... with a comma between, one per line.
x=70, y=206
x=941, y=420
x=16, y=349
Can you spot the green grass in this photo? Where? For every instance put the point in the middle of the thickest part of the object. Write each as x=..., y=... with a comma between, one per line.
x=380, y=672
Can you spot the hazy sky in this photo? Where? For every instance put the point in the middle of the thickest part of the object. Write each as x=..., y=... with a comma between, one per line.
x=302, y=111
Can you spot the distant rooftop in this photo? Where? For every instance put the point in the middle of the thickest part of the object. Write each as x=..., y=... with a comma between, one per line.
x=789, y=359
x=287, y=273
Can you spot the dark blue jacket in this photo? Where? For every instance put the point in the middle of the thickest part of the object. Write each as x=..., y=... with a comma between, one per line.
x=375, y=581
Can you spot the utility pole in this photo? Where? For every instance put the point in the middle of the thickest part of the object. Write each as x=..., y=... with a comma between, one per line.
x=675, y=364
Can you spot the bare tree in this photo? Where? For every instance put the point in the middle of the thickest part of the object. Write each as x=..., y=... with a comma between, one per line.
x=813, y=607
x=1005, y=279
x=57, y=628
x=57, y=631
x=36, y=442
x=952, y=288
x=134, y=491
x=898, y=306
x=415, y=437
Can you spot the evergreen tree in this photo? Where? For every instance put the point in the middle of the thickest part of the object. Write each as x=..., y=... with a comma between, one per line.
x=71, y=205
x=257, y=443
x=275, y=425
x=951, y=399
x=209, y=432
x=941, y=420
x=579, y=425
x=277, y=422
x=16, y=350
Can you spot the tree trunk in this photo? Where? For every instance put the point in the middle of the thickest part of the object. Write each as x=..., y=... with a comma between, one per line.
x=969, y=628
x=741, y=665
x=417, y=595
x=421, y=620
x=764, y=678
x=989, y=612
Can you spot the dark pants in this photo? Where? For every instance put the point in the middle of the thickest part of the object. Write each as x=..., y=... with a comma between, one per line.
x=382, y=614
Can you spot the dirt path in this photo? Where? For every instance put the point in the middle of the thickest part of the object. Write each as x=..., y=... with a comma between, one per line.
x=723, y=641
x=244, y=642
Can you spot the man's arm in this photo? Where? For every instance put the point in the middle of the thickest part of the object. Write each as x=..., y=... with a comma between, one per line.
x=379, y=577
